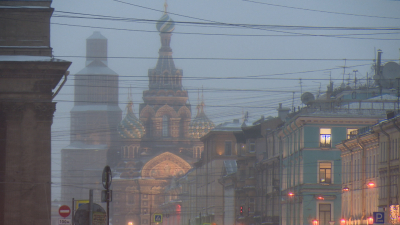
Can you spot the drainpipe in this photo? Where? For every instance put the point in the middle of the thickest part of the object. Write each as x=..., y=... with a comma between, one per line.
x=300, y=153
x=288, y=208
x=351, y=179
x=363, y=178
x=280, y=180
x=398, y=129
x=388, y=183
x=294, y=176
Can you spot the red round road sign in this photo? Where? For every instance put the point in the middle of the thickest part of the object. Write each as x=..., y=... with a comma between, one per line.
x=64, y=211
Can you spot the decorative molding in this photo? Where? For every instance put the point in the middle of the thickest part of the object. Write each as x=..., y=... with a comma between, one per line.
x=44, y=111
x=13, y=111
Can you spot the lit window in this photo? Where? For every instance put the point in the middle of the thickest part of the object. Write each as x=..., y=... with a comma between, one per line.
x=325, y=172
x=165, y=126
x=228, y=148
x=351, y=133
x=325, y=137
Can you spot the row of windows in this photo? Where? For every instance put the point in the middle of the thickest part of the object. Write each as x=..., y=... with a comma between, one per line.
x=165, y=127
x=393, y=154
x=324, y=174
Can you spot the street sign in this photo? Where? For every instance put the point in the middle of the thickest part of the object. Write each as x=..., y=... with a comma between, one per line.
x=106, y=177
x=106, y=195
x=78, y=203
x=64, y=222
x=64, y=211
x=81, y=216
x=99, y=218
x=157, y=218
x=379, y=217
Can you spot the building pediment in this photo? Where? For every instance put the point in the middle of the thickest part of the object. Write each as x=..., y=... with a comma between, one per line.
x=165, y=165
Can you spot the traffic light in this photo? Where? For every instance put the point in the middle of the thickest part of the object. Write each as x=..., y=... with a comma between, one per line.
x=241, y=210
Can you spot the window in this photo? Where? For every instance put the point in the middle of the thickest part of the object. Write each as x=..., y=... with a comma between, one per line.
x=324, y=214
x=130, y=199
x=165, y=126
x=325, y=137
x=351, y=133
x=145, y=221
x=325, y=172
x=252, y=148
x=145, y=203
x=228, y=148
x=149, y=127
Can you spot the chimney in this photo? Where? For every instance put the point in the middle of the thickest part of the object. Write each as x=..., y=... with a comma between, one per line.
x=283, y=112
x=378, y=64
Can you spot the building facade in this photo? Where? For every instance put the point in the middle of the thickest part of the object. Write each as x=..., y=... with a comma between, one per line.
x=30, y=79
x=360, y=177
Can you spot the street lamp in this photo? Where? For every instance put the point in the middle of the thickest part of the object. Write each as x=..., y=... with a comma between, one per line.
x=371, y=184
x=290, y=194
x=315, y=222
x=346, y=189
x=342, y=222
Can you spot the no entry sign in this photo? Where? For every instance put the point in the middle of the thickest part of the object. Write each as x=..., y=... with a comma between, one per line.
x=64, y=211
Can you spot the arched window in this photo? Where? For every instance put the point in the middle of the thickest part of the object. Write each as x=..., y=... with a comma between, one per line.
x=165, y=127
x=181, y=127
x=149, y=127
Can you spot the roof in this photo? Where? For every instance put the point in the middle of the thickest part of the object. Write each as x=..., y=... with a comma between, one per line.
x=96, y=68
x=97, y=35
x=28, y=58
x=235, y=125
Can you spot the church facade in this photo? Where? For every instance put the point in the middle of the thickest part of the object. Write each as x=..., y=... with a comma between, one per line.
x=145, y=151
x=159, y=145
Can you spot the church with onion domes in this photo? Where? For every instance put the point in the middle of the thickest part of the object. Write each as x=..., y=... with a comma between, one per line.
x=145, y=151
x=159, y=145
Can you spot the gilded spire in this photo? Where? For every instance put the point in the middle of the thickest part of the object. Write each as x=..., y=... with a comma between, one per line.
x=165, y=7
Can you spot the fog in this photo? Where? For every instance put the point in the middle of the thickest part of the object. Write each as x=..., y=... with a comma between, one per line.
x=244, y=55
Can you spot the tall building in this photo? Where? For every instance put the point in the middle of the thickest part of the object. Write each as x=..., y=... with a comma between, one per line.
x=29, y=82
x=94, y=119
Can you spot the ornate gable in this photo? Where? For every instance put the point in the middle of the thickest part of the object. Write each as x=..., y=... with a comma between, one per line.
x=165, y=165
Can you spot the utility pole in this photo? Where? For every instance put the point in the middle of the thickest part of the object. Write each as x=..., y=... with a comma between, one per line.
x=355, y=78
x=90, y=206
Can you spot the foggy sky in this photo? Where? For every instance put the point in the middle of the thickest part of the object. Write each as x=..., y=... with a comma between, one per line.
x=230, y=86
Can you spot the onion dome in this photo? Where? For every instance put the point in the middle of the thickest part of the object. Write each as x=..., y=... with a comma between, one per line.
x=130, y=126
x=165, y=24
x=200, y=125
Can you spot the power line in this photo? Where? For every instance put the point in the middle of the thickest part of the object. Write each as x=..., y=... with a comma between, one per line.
x=323, y=11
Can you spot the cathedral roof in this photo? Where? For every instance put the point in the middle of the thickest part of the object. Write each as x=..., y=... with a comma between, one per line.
x=200, y=125
x=165, y=24
x=130, y=126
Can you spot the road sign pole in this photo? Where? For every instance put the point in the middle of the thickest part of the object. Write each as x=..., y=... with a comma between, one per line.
x=90, y=207
x=73, y=211
x=108, y=199
x=150, y=214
